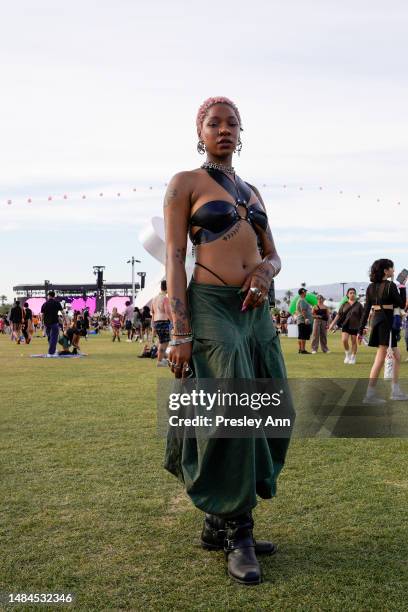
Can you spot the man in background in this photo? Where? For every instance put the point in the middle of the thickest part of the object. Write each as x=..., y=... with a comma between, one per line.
x=16, y=319
x=128, y=317
x=161, y=322
x=304, y=321
x=50, y=311
x=27, y=323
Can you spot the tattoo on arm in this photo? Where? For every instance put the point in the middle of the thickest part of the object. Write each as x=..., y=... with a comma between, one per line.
x=170, y=196
x=181, y=255
x=181, y=319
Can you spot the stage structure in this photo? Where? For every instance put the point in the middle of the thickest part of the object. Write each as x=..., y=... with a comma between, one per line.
x=94, y=296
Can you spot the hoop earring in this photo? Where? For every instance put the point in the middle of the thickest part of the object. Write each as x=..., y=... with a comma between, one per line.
x=238, y=148
x=201, y=147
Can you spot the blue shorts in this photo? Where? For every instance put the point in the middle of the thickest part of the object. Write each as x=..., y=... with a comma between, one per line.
x=162, y=329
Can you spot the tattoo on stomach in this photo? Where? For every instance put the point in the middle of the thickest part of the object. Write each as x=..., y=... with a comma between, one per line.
x=233, y=232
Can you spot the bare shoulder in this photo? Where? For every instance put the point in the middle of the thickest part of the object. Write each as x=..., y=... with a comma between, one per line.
x=257, y=193
x=182, y=186
x=183, y=180
x=179, y=188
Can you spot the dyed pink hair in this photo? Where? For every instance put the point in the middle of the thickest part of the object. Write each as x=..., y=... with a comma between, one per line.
x=206, y=105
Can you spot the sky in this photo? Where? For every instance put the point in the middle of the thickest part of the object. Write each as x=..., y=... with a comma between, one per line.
x=101, y=97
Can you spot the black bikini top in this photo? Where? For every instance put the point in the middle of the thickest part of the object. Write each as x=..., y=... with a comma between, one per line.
x=215, y=218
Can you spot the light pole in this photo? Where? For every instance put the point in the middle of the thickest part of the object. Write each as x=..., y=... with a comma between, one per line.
x=142, y=279
x=104, y=297
x=133, y=261
x=100, y=292
x=342, y=288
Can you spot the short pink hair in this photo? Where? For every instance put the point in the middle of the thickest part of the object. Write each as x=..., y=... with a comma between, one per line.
x=206, y=105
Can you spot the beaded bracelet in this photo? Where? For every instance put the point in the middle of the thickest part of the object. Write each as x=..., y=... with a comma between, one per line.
x=181, y=335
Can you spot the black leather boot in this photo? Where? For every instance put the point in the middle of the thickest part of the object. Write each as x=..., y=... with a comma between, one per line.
x=214, y=533
x=239, y=550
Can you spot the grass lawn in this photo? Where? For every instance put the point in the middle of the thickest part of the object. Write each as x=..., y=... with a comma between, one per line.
x=87, y=508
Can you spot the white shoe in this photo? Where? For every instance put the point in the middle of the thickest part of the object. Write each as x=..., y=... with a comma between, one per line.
x=374, y=400
x=314, y=352
x=327, y=352
x=399, y=396
x=162, y=364
x=128, y=340
x=352, y=360
x=347, y=359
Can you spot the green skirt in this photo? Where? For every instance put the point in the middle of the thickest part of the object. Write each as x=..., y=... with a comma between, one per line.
x=223, y=476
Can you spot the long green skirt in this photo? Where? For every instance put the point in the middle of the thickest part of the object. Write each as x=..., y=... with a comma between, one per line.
x=222, y=475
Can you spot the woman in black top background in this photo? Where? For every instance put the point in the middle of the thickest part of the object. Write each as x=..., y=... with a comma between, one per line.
x=349, y=316
x=320, y=323
x=383, y=296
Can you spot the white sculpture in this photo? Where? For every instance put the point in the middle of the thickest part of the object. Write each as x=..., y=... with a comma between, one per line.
x=152, y=238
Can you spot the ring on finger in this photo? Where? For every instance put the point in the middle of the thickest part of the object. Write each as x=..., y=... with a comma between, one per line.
x=255, y=290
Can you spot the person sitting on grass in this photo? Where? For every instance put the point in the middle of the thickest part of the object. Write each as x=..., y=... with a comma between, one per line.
x=149, y=352
x=71, y=336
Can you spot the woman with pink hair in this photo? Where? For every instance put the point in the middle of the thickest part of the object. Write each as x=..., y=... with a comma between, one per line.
x=222, y=330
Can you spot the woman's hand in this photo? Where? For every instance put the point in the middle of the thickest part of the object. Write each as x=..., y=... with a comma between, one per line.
x=258, y=283
x=179, y=358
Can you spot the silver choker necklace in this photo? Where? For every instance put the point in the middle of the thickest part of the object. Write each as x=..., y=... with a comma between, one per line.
x=215, y=166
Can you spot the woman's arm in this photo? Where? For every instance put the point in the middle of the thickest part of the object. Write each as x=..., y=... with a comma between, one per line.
x=333, y=323
x=176, y=210
x=366, y=311
x=398, y=295
x=267, y=243
x=270, y=267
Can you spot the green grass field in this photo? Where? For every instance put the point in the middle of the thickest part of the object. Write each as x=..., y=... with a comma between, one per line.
x=87, y=507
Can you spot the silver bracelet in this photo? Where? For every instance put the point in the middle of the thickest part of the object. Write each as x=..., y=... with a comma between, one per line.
x=275, y=269
x=181, y=341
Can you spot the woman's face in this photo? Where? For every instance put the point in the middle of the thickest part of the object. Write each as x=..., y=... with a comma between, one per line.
x=220, y=130
x=351, y=295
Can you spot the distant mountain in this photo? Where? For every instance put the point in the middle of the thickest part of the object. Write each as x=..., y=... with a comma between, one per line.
x=334, y=291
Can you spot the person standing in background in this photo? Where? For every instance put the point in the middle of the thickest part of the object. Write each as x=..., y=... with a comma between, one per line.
x=116, y=324
x=304, y=321
x=86, y=324
x=320, y=314
x=348, y=318
x=406, y=331
x=50, y=311
x=16, y=319
x=284, y=322
x=383, y=295
x=128, y=318
x=137, y=325
x=161, y=315
x=28, y=323
x=147, y=324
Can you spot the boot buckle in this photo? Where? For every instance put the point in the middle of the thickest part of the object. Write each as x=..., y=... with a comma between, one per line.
x=230, y=544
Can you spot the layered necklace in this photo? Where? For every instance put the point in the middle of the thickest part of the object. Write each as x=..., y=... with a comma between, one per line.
x=216, y=166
